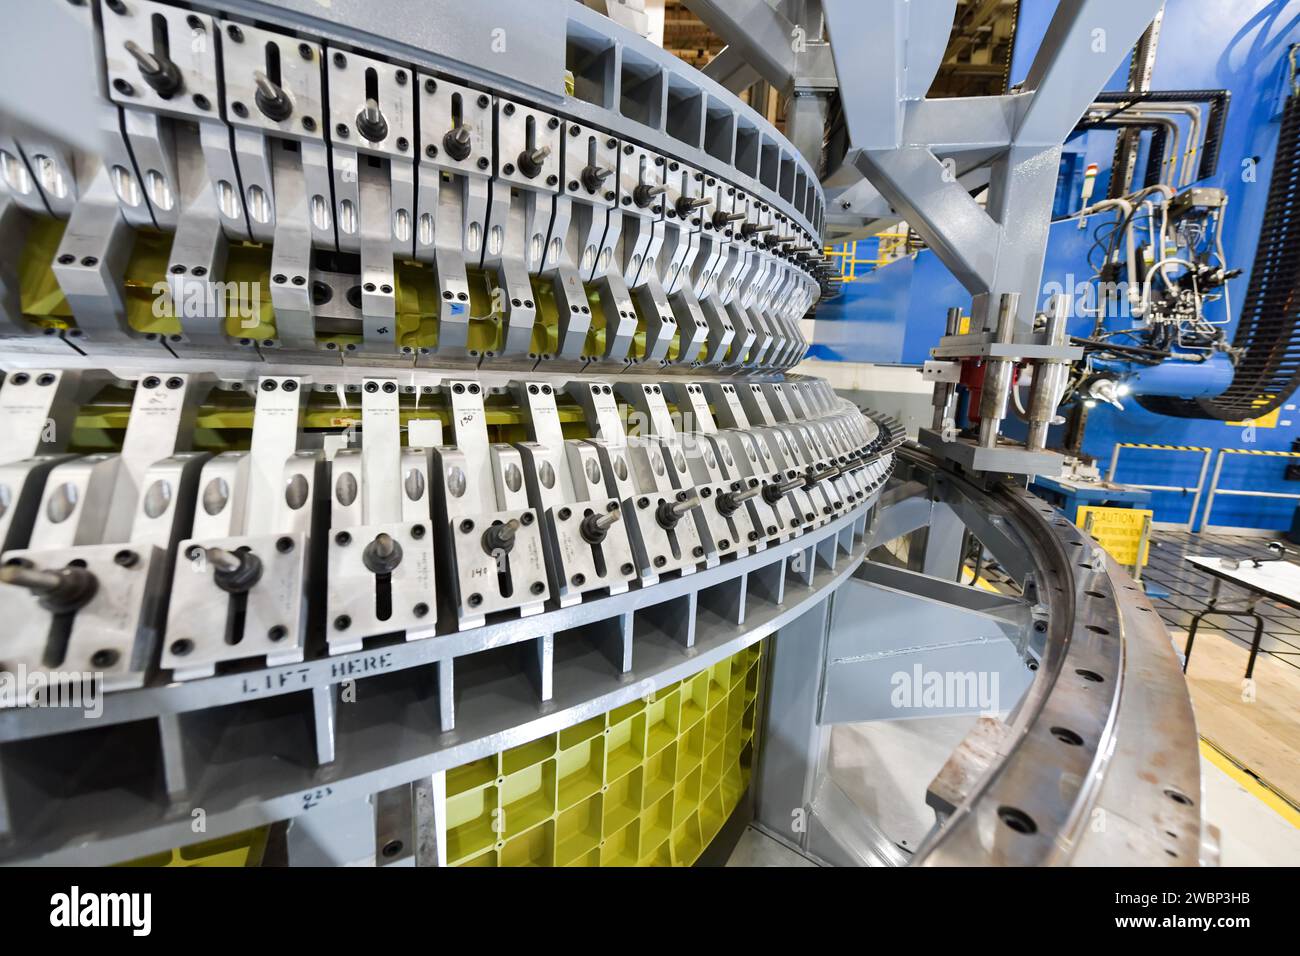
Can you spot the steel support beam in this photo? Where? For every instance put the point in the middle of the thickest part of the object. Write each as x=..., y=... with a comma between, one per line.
x=998, y=247
x=774, y=46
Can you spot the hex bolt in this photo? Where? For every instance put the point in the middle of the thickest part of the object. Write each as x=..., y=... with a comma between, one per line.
x=271, y=99
x=371, y=123
x=530, y=161
x=595, y=527
x=670, y=512
x=730, y=501
x=235, y=571
x=457, y=142
x=500, y=537
x=61, y=591
x=382, y=555
x=644, y=194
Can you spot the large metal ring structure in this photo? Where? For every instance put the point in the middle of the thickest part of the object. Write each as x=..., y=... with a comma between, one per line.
x=595, y=285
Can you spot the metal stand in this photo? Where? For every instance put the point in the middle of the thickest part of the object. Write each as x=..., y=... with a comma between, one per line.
x=1213, y=608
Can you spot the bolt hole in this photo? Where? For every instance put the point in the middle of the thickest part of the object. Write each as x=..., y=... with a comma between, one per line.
x=104, y=658
x=1017, y=820
x=1067, y=736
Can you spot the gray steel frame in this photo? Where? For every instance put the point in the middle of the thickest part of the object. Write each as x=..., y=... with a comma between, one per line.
x=917, y=151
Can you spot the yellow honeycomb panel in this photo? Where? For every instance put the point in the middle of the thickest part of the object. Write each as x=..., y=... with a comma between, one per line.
x=647, y=784
x=238, y=849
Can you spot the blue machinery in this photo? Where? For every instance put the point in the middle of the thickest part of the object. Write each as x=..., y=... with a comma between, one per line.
x=1203, y=128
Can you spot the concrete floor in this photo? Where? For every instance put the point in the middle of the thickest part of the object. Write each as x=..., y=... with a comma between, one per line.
x=1251, y=832
x=758, y=849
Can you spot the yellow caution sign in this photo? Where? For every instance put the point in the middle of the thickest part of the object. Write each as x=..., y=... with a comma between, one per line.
x=1120, y=531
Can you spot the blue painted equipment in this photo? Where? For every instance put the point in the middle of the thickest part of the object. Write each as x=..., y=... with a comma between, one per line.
x=1182, y=379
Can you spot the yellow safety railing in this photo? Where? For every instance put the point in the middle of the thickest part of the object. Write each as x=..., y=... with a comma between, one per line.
x=852, y=267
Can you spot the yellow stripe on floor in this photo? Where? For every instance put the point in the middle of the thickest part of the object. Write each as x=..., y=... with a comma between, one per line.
x=1271, y=798
x=979, y=582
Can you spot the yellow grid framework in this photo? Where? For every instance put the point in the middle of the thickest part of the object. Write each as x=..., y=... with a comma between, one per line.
x=647, y=784
x=237, y=849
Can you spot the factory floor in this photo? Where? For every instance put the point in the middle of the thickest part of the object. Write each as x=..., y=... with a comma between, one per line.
x=1255, y=729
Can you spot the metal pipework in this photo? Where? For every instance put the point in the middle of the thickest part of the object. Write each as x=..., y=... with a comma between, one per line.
x=1049, y=379
x=997, y=374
